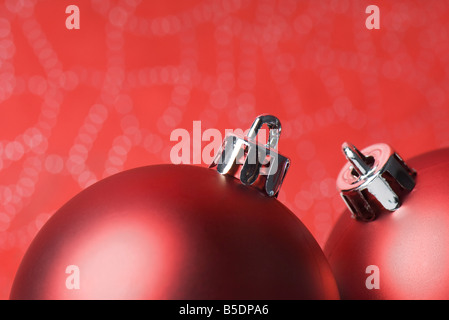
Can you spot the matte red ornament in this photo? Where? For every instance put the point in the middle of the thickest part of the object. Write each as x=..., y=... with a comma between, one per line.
x=177, y=232
x=392, y=242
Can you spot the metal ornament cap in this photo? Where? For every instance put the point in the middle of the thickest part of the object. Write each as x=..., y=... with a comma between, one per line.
x=254, y=164
x=374, y=180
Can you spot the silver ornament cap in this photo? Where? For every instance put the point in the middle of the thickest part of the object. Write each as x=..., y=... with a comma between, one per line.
x=375, y=179
x=254, y=164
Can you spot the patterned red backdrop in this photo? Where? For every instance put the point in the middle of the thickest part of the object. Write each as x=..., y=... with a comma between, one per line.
x=79, y=105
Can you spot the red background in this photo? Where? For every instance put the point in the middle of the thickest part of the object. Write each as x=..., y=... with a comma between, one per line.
x=79, y=105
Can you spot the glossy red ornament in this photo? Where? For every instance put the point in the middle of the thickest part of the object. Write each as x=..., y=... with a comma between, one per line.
x=396, y=253
x=174, y=232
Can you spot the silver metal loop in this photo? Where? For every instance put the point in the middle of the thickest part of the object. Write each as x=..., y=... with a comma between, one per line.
x=356, y=158
x=274, y=126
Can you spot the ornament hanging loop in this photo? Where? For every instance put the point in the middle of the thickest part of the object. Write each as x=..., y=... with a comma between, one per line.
x=254, y=164
x=274, y=126
x=358, y=161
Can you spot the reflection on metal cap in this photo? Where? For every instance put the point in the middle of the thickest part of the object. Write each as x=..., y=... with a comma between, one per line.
x=254, y=164
x=374, y=180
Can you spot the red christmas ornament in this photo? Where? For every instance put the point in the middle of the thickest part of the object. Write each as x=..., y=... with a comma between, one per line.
x=395, y=246
x=181, y=232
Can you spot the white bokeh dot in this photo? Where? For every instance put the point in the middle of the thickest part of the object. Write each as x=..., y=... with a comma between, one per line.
x=4, y=221
x=14, y=151
x=304, y=200
x=41, y=219
x=37, y=85
x=118, y=16
x=219, y=99
x=98, y=114
x=54, y=163
x=69, y=80
x=152, y=143
x=123, y=104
